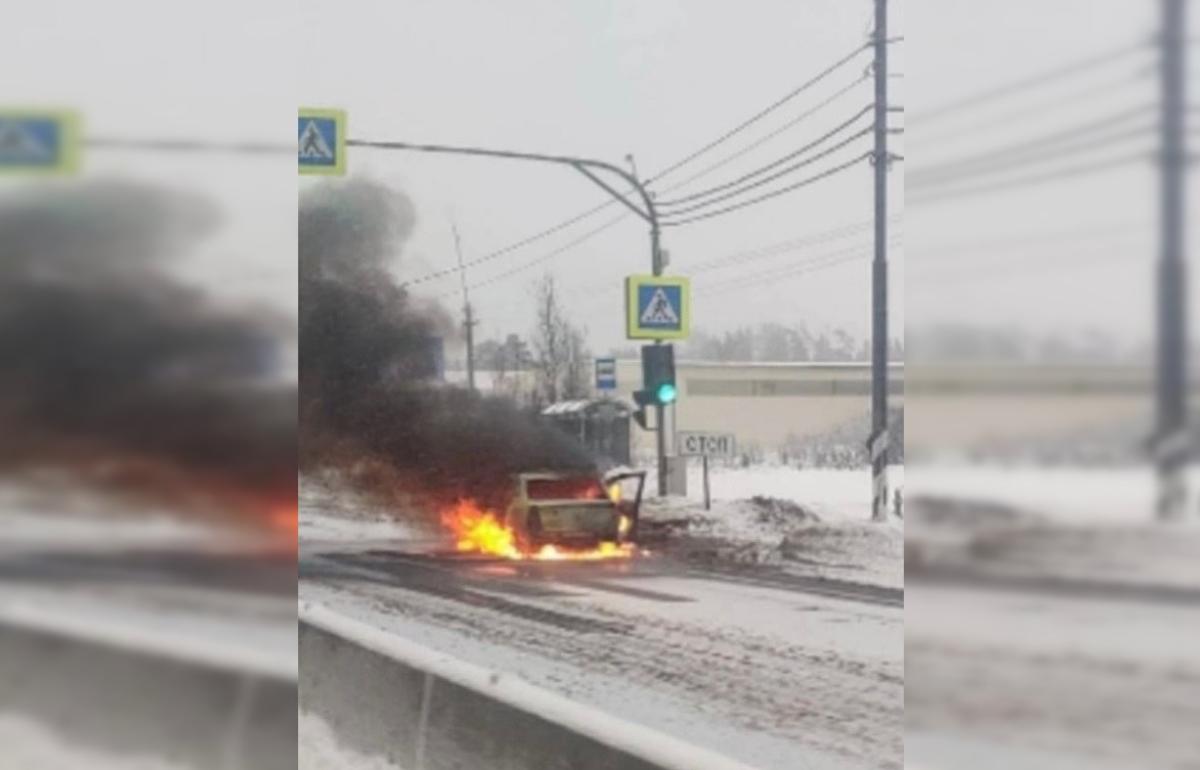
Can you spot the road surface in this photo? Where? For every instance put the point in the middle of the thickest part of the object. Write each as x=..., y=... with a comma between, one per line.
x=778, y=670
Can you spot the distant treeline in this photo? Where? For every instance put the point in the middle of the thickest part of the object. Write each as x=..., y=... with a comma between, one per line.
x=774, y=342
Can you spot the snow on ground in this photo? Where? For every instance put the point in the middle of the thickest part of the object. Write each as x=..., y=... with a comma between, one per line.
x=32, y=519
x=772, y=676
x=777, y=679
x=834, y=494
x=318, y=749
x=999, y=679
x=30, y=745
x=329, y=513
x=1091, y=496
x=813, y=521
x=1075, y=523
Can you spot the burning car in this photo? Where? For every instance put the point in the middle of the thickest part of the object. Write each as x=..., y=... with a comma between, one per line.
x=575, y=510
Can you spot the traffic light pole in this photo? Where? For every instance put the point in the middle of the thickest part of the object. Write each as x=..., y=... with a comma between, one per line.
x=588, y=167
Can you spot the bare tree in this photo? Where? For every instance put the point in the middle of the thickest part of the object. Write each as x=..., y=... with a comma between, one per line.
x=561, y=357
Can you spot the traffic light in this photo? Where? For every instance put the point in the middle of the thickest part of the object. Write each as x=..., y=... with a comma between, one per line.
x=658, y=373
x=658, y=380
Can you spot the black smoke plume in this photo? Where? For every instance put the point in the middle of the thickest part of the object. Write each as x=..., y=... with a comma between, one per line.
x=115, y=376
x=369, y=406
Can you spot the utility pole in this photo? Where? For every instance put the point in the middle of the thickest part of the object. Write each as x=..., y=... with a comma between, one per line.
x=877, y=443
x=1171, y=436
x=469, y=321
x=660, y=411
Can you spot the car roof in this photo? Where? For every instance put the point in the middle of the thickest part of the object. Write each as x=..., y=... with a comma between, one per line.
x=554, y=475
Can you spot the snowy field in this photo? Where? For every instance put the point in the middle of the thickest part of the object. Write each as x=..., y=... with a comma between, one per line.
x=835, y=494
x=1050, y=674
x=1090, y=496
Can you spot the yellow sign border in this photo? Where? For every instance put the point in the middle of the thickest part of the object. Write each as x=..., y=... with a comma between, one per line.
x=633, y=328
x=69, y=123
x=339, y=118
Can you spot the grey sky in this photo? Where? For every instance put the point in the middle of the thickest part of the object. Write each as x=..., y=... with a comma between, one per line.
x=600, y=79
x=654, y=78
x=1101, y=276
x=214, y=70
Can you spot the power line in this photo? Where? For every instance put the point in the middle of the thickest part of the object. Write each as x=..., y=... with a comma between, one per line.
x=817, y=262
x=857, y=250
x=543, y=258
x=1055, y=145
x=1038, y=109
x=820, y=76
x=1064, y=173
x=1064, y=72
x=780, y=247
x=511, y=247
x=1000, y=163
x=767, y=179
x=785, y=247
x=773, y=194
x=759, y=142
x=773, y=164
x=764, y=251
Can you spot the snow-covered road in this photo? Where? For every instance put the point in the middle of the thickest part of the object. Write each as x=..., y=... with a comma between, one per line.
x=766, y=674
x=782, y=663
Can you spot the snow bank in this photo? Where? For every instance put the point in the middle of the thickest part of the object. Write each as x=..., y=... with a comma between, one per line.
x=813, y=521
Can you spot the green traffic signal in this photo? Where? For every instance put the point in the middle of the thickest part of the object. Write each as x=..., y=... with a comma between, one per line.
x=666, y=393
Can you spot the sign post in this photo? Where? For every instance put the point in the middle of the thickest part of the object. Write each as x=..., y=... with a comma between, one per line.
x=704, y=444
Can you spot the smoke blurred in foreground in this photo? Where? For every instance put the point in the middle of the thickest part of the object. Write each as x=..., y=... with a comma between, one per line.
x=147, y=490
x=148, y=396
x=1052, y=573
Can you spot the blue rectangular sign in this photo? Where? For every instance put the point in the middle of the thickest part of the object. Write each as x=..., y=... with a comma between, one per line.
x=606, y=374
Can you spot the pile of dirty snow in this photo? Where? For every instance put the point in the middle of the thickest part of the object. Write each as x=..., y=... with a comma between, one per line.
x=786, y=534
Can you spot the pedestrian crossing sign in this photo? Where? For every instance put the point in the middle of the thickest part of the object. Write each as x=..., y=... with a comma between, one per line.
x=322, y=141
x=657, y=307
x=38, y=141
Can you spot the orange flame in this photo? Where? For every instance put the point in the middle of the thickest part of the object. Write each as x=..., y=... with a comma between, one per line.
x=480, y=531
